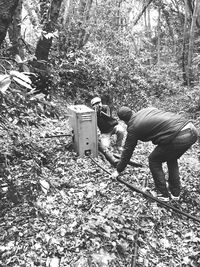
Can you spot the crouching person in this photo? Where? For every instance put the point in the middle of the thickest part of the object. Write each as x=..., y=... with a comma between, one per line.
x=107, y=125
x=172, y=134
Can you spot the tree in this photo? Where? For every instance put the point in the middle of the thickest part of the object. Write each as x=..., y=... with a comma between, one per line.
x=68, y=6
x=147, y=21
x=191, y=6
x=191, y=42
x=184, y=48
x=15, y=31
x=76, y=23
x=84, y=12
x=45, y=41
x=141, y=13
x=7, y=9
x=159, y=38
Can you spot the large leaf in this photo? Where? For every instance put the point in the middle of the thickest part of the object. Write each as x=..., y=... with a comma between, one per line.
x=4, y=82
x=18, y=59
x=23, y=83
x=20, y=76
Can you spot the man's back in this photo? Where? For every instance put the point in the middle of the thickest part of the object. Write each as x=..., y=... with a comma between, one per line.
x=151, y=124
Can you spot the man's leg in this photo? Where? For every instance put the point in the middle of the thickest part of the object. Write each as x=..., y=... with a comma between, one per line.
x=170, y=153
x=105, y=140
x=156, y=158
x=103, y=147
x=120, y=133
x=174, y=178
x=108, y=155
x=181, y=143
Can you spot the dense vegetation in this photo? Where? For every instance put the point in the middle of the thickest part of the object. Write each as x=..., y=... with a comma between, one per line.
x=60, y=210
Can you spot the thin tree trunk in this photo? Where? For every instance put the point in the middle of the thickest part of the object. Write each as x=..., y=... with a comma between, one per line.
x=117, y=19
x=184, y=63
x=149, y=21
x=15, y=31
x=67, y=11
x=170, y=28
x=7, y=9
x=198, y=19
x=191, y=43
x=145, y=20
x=159, y=39
x=141, y=13
x=84, y=10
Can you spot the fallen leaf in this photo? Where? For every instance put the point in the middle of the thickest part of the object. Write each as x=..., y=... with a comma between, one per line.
x=44, y=186
x=103, y=258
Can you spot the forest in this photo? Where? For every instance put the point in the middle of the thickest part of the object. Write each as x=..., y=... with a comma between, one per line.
x=58, y=209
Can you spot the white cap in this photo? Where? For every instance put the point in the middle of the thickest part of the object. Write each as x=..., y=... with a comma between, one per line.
x=95, y=100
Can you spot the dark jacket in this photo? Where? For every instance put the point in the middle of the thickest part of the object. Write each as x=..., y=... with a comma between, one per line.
x=150, y=124
x=105, y=122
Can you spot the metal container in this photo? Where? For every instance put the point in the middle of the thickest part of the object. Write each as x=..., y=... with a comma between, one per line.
x=84, y=125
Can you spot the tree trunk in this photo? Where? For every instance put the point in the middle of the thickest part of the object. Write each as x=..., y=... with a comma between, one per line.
x=159, y=38
x=141, y=13
x=15, y=32
x=184, y=49
x=191, y=8
x=68, y=8
x=84, y=11
x=145, y=21
x=191, y=43
x=117, y=18
x=170, y=28
x=7, y=9
x=45, y=42
x=198, y=19
x=149, y=21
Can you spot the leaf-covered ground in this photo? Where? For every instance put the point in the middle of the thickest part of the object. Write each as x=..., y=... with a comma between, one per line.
x=63, y=210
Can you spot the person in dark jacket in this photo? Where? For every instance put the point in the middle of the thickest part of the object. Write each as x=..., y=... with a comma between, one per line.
x=107, y=125
x=172, y=134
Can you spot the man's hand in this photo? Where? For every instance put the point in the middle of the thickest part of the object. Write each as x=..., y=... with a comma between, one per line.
x=114, y=175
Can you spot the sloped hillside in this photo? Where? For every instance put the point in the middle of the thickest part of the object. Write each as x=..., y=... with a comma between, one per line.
x=61, y=210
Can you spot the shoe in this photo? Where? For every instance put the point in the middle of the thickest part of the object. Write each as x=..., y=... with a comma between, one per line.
x=160, y=196
x=163, y=198
x=176, y=198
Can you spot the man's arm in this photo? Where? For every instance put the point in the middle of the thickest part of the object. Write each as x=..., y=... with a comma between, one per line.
x=106, y=110
x=129, y=146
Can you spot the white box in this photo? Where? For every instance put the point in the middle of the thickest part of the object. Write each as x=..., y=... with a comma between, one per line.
x=84, y=124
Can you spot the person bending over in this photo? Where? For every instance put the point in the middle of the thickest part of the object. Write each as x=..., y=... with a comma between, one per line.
x=172, y=134
x=107, y=125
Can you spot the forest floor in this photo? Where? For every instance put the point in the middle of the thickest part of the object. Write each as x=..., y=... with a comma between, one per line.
x=68, y=212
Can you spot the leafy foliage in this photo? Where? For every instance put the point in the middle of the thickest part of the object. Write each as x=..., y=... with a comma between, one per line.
x=60, y=210
x=73, y=214
x=85, y=74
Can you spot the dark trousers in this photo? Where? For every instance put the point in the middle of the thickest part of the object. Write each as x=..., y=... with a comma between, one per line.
x=170, y=154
